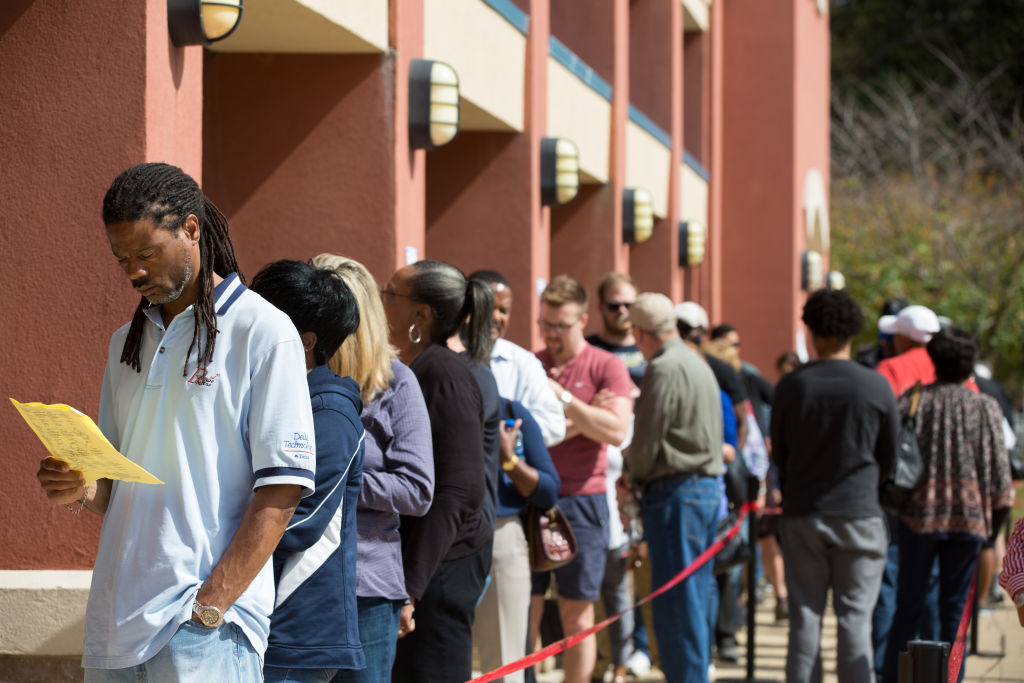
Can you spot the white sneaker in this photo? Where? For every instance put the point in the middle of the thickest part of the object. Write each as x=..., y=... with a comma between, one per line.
x=639, y=663
x=711, y=672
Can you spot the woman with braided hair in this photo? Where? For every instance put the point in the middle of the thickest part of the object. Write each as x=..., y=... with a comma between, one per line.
x=206, y=389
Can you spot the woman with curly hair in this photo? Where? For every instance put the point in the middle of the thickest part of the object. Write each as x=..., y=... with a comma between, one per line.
x=964, y=496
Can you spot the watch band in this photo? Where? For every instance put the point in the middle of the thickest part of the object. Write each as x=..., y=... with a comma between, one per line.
x=511, y=463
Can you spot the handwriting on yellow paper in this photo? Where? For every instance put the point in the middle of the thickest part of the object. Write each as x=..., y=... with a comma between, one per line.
x=74, y=438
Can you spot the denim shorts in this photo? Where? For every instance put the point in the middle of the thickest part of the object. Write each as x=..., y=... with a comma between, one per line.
x=581, y=579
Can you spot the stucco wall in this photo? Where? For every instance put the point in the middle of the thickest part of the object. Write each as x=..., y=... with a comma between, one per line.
x=297, y=153
x=73, y=87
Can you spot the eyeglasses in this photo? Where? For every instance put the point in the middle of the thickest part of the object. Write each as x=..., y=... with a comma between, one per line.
x=614, y=306
x=558, y=328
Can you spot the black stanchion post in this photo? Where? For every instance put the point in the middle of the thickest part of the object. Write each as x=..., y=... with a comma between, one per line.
x=753, y=488
x=974, y=618
x=925, y=661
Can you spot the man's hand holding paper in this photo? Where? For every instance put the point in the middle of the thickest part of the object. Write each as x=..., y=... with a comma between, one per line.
x=74, y=439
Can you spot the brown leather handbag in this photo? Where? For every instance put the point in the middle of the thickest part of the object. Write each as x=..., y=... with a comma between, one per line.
x=552, y=543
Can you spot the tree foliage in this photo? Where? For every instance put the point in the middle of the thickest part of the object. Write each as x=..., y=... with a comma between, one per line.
x=928, y=199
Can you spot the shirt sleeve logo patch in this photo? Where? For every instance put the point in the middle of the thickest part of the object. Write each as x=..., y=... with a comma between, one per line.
x=298, y=446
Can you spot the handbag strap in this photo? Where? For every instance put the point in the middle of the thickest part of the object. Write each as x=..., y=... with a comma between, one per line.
x=915, y=399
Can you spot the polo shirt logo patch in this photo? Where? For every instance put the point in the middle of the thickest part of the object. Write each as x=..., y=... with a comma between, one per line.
x=200, y=378
x=298, y=445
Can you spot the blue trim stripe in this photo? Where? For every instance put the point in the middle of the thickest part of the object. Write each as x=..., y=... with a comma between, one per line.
x=577, y=66
x=284, y=472
x=696, y=166
x=231, y=299
x=224, y=284
x=511, y=13
x=640, y=119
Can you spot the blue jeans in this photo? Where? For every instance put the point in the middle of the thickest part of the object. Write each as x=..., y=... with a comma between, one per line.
x=378, y=634
x=885, y=608
x=680, y=521
x=194, y=654
x=958, y=556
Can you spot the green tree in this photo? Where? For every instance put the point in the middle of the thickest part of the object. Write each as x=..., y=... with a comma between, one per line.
x=928, y=203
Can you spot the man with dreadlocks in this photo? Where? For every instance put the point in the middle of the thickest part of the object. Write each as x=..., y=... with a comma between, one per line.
x=206, y=389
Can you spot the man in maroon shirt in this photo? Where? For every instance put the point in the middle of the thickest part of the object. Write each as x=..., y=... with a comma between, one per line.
x=594, y=388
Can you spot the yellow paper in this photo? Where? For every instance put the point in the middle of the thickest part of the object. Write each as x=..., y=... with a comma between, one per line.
x=73, y=437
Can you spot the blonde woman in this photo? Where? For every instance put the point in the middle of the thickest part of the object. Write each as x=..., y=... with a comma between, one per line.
x=398, y=468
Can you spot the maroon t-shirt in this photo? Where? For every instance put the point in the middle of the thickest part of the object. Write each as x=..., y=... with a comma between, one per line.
x=581, y=462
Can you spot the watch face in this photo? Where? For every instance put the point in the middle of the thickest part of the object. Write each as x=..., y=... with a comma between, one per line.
x=210, y=616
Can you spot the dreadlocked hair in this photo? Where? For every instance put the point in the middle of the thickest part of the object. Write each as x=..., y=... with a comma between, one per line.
x=167, y=195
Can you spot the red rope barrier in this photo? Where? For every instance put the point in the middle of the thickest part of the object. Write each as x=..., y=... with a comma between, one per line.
x=565, y=643
x=956, y=657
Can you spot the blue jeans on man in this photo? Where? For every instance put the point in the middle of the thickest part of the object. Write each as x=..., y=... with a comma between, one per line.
x=194, y=654
x=680, y=520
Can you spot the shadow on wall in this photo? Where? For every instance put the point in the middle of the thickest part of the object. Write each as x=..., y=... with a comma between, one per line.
x=10, y=12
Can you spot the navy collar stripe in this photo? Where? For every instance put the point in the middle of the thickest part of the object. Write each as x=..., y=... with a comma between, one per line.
x=232, y=296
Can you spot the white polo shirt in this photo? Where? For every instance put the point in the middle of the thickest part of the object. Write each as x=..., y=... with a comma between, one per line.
x=212, y=442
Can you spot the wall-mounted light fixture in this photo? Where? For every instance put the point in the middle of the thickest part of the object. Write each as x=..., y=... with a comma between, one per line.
x=201, y=22
x=433, y=104
x=637, y=215
x=692, y=239
x=836, y=280
x=559, y=171
x=812, y=272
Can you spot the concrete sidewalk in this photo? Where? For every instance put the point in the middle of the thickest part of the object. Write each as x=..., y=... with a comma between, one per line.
x=1000, y=644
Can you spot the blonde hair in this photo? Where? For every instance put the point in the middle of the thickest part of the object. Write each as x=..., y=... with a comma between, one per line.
x=564, y=290
x=366, y=355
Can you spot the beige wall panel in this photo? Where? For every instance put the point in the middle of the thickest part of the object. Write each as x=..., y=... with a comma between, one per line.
x=44, y=611
x=694, y=197
x=696, y=14
x=576, y=112
x=647, y=166
x=310, y=26
x=488, y=54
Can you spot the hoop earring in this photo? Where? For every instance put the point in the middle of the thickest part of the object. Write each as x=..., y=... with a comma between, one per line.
x=419, y=334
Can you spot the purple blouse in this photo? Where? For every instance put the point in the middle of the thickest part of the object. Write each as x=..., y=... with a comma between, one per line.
x=398, y=479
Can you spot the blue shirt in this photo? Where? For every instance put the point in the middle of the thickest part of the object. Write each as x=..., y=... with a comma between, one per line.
x=510, y=502
x=315, y=624
x=212, y=440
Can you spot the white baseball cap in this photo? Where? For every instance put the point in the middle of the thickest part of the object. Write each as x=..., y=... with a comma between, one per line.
x=693, y=314
x=915, y=322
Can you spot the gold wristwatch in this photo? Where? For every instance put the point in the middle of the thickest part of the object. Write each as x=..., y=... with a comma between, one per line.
x=208, y=614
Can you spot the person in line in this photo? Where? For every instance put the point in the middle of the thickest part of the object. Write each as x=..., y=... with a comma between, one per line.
x=447, y=552
x=834, y=427
x=204, y=389
x=594, y=389
x=616, y=293
x=517, y=372
x=503, y=615
x=314, y=630
x=1011, y=578
x=674, y=463
x=398, y=469
x=693, y=325
x=964, y=496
